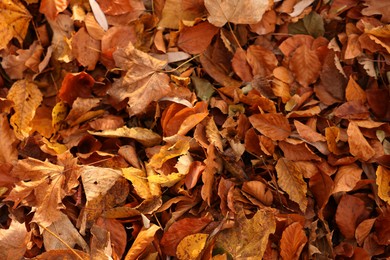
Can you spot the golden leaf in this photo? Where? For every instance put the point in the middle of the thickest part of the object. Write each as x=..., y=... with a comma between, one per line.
x=26, y=97
x=166, y=180
x=191, y=246
x=290, y=179
x=383, y=180
x=139, y=181
x=145, y=136
x=144, y=238
x=13, y=12
x=249, y=237
x=169, y=151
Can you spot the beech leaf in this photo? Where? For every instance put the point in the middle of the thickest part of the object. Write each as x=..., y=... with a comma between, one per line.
x=191, y=246
x=383, y=180
x=274, y=126
x=292, y=242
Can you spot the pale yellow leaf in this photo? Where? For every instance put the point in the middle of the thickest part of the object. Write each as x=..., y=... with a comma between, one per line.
x=166, y=180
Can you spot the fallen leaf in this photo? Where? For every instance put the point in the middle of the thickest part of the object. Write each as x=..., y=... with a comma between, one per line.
x=181, y=229
x=290, y=179
x=383, y=180
x=235, y=11
x=169, y=151
x=8, y=142
x=202, y=32
x=76, y=85
x=26, y=97
x=191, y=246
x=138, y=179
x=375, y=7
x=358, y=145
x=292, y=242
x=85, y=49
x=354, y=92
x=13, y=241
x=51, y=8
x=13, y=12
x=248, y=239
x=347, y=177
x=274, y=126
x=308, y=133
x=144, y=136
x=68, y=254
x=363, y=230
x=143, y=239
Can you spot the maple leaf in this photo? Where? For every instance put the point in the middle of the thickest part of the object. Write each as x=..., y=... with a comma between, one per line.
x=235, y=11
x=142, y=83
x=48, y=183
x=26, y=97
x=13, y=12
x=249, y=237
x=13, y=241
x=290, y=179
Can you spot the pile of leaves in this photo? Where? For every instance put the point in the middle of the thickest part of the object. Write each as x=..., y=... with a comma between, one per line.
x=196, y=129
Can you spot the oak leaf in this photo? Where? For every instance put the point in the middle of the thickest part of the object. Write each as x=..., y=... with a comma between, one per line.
x=248, y=239
x=13, y=12
x=143, y=83
x=358, y=145
x=13, y=241
x=274, y=126
x=383, y=180
x=26, y=97
x=191, y=246
x=292, y=242
x=290, y=179
x=235, y=11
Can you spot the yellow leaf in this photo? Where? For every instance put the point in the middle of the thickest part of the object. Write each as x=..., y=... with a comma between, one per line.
x=26, y=97
x=166, y=180
x=168, y=152
x=191, y=246
x=145, y=136
x=144, y=238
x=139, y=181
x=53, y=148
x=13, y=12
x=58, y=114
x=290, y=179
x=248, y=239
x=383, y=180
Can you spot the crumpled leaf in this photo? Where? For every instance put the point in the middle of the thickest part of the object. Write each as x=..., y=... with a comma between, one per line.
x=274, y=126
x=383, y=180
x=26, y=97
x=13, y=12
x=143, y=83
x=144, y=238
x=290, y=179
x=378, y=7
x=169, y=151
x=191, y=246
x=13, y=241
x=145, y=136
x=292, y=242
x=51, y=8
x=235, y=11
x=249, y=237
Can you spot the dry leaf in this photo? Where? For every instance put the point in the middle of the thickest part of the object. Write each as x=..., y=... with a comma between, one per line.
x=347, y=177
x=13, y=12
x=85, y=49
x=235, y=11
x=169, y=151
x=143, y=239
x=290, y=179
x=196, y=39
x=191, y=246
x=8, y=142
x=274, y=126
x=355, y=92
x=358, y=145
x=383, y=180
x=305, y=65
x=138, y=179
x=292, y=242
x=51, y=8
x=248, y=239
x=13, y=241
x=26, y=97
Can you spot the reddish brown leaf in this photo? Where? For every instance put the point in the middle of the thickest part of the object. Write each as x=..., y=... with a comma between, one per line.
x=274, y=126
x=76, y=85
x=292, y=242
x=358, y=145
x=51, y=8
x=347, y=177
x=196, y=39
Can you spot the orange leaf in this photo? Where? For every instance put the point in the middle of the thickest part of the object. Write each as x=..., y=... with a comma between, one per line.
x=76, y=85
x=290, y=179
x=8, y=142
x=196, y=39
x=305, y=65
x=179, y=230
x=347, y=177
x=274, y=126
x=85, y=49
x=292, y=242
x=354, y=91
x=51, y=8
x=358, y=145
x=383, y=182
x=308, y=133
x=14, y=241
x=144, y=238
x=262, y=61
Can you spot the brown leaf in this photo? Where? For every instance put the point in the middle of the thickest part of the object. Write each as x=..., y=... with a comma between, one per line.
x=208, y=174
x=352, y=110
x=363, y=230
x=68, y=254
x=85, y=49
x=375, y=7
x=144, y=238
x=290, y=179
x=262, y=61
x=354, y=92
x=298, y=152
x=8, y=142
x=348, y=214
x=358, y=145
x=121, y=7
x=76, y=85
x=382, y=227
x=26, y=97
x=347, y=177
x=305, y=65
x=51, y=8
x=248, y=239
x=383, y=180
x=13, y=241
x=308, y=133
x=142, y=83
x=258, y=190
x=235, y=11
x=13, y=12
x=321, y=185
x=292, y=242
x=274, y=126
x=179, y=230
x=197, y=38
